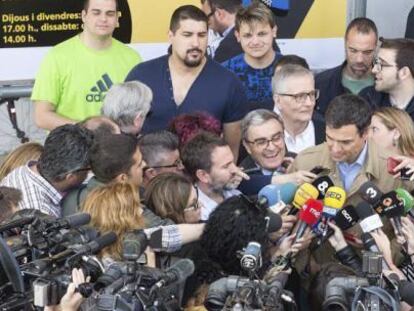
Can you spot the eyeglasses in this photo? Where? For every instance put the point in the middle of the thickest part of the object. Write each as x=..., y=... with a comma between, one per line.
x=379, y=64
x=300, y=98
x=194, y=206
x=177, y=163
x=264, y=142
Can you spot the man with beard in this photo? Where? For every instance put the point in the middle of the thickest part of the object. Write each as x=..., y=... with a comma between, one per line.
x=185, y=81
x=394, y=76
x=210, y=163
x=354, y=75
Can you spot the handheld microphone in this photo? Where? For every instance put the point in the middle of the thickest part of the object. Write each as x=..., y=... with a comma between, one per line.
x=392, y=207
x=273, y=222
x=274, y=194
x=334, y=200
x=308, y=216
x=322, y=184
x=305, y=191
x=252, y=257
x=134, y=245
x=407, y=200
x=370, y=193
x=370, y=245
x=178, y=272
x=369, y=220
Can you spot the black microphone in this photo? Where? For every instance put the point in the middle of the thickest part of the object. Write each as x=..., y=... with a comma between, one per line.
x=96, y=245
x=371, y=245
x=178, y=272
x=392, y=207
x=72, y=221
x=322, y=183
x=370, y=193
x=273, y=222
x=134, y=244
x=369, y=219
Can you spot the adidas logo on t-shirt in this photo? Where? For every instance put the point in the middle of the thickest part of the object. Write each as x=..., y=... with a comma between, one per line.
x=98, y=90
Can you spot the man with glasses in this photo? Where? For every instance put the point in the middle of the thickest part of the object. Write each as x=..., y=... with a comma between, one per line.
x=394, y=76
x=267, y=160
x=63, y=165
x=221, y=19
x=160, y=153
x=294, y=95
x=354, y=75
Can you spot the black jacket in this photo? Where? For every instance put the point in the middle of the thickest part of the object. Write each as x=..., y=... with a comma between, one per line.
x=329, y=83
x=380, y=99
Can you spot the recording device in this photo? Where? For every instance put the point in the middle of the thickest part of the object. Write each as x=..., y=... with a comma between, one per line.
x=393, y=208
x=320, y=170
x=251, y=259
x=392, y=163
x=370, y=245
x=305, y=191
x=370, y=193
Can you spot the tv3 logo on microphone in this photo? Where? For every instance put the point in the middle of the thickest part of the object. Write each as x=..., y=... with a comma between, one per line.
x=371, y=193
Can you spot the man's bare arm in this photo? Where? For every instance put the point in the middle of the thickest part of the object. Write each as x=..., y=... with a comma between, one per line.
x=190, y=232
x=232, y=135
x=45, y=116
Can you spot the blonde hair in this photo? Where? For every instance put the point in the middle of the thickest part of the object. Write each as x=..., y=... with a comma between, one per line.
x=394, y=118
x=19, y=157
x=167, y=195
x=114, y=207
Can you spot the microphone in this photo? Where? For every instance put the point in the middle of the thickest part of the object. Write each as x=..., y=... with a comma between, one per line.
x=252, y=257
x=369, y=219
x=178, y=272
x=96, y=245
x=392, y=207
x=334, y=200
x=273, y=222
x=305, y=191
x=370, y=193
x=274, y=194
x=370, y=245
x=134, y=245
x=72, y=221
x=346, y=218
x=308, y=216
x=322, y=184
x=407, y=200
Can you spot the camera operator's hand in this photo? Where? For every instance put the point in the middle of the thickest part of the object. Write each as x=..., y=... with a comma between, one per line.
x=337, y=240
x=405, y=162
x=408, y=232
x=72, y=300
x=298, y=178
x=384, y=245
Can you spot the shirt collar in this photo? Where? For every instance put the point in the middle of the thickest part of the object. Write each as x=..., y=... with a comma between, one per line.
x=360, y=160
x=227, y=31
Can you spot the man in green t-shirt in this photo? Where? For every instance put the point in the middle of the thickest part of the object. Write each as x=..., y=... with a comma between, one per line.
x=76, y=74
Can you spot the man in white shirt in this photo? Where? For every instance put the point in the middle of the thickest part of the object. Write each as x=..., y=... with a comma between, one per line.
x=209, y=161
x=294, y=95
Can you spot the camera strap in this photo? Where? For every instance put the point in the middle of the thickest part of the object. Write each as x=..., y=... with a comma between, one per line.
x=385, y=297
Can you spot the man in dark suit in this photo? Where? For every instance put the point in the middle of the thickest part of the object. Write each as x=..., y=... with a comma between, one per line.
x=221, y=18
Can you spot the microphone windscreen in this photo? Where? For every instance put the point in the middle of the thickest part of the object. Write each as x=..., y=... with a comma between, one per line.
x=390, y=205
x=183, y=268
x=273, y=222
x=322, y=184
x=311, y=212
x=134, y=244
x=370, y=193
x=346, y=218
x=77, y=220
x=305, y=191
x=364, y=210
x=277, y=193
x=335, y=197
x=102, y=241
x=406, y=198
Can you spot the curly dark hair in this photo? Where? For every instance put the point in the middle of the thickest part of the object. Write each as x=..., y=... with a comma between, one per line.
x=232, y=225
